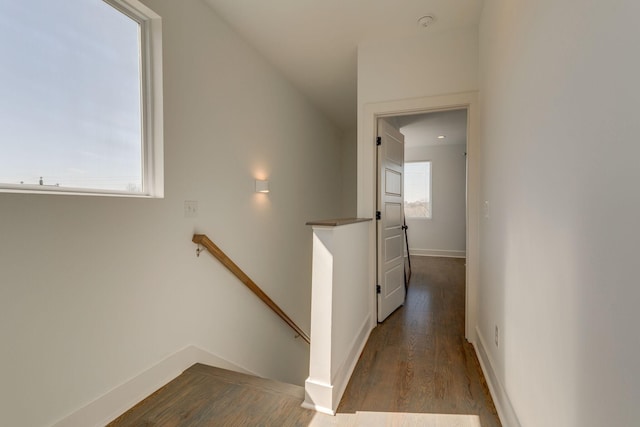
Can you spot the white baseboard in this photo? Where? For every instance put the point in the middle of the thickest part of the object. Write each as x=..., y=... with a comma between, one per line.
x=117, y=401
x=506, y=413
x=318, y=396
x=437, y=252
x=344, y=372
x=324, y=397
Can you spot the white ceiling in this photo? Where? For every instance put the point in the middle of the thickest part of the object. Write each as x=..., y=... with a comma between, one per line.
x=314, y=42
x=424, y=129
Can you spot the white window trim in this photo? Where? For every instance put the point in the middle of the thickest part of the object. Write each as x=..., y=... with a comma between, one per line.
x=151, y=68
x=152, y=111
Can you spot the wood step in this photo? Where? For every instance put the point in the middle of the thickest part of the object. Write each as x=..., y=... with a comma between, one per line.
x=206, y=396
x=264, y=384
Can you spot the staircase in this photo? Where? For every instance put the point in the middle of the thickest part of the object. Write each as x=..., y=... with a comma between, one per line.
x=206, y=396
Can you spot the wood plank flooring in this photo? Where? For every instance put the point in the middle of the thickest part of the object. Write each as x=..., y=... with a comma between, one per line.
x=207, y=396
x=418, y=360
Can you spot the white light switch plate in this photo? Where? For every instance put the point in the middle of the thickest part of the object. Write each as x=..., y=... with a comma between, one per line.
x=190, y=208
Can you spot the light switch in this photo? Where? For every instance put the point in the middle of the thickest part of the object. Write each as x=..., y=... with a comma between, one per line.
x=190, y=208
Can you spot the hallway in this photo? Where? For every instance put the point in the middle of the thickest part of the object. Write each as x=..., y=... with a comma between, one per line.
x=418, y=360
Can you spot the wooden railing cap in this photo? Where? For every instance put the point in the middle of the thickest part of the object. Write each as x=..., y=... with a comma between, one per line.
x=337, y=222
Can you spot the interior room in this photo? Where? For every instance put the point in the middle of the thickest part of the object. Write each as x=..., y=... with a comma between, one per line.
x=104, y=299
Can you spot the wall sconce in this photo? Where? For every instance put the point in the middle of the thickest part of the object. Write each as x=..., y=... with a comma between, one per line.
x=262, y=186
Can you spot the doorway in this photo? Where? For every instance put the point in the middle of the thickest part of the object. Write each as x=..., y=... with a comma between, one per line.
x=367, y=174
x=432, y=202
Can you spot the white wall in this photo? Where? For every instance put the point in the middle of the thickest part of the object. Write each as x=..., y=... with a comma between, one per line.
x=433, y=64
x=559, y=103
x=445, y=233
x=96, y=290
x=349, y=173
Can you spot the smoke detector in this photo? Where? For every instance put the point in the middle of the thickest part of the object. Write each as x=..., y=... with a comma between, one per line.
x=427, y=21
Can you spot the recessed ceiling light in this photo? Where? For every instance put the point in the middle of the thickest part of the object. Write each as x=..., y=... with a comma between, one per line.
x=441, y=137
x=426, y=20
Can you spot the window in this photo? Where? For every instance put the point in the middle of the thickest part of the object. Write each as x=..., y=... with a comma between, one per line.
x=417, y=190
x=80, y=110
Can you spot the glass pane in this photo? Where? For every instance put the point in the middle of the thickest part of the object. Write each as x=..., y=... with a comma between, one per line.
x=417, y=189
x=70, y=110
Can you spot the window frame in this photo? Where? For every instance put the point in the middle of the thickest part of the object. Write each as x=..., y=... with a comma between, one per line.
x=152, y=135
x=430, y=189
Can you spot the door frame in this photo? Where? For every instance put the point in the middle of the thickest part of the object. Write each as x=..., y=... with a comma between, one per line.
x=367, y=177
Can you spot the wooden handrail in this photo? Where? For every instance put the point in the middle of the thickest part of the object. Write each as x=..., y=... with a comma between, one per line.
x=202, y=239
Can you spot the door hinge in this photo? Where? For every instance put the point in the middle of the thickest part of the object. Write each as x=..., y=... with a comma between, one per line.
x=378, y=141
x=378, y=289
x=378, y=215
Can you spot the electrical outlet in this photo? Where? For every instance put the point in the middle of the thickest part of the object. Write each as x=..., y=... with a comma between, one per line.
x=497, y=336
x=190, y=208
x=485, y=209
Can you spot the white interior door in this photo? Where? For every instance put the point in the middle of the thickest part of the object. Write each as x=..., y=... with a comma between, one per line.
x=391, y=290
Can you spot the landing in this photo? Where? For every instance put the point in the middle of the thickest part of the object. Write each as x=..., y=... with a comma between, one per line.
x=207, y=396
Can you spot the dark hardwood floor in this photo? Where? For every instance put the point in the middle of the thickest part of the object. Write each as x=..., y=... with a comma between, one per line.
x=206, y=396
x=418, y=360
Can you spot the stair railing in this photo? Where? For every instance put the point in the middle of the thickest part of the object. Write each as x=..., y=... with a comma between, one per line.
x=203, y=240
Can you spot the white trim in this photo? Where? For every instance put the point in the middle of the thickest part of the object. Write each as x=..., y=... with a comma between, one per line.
x=506, y=413
x=114, y=403
x=152, y=93
x=66, y=191
x=325, y=398
x=367, y=119
x=437, y=253
x=154, y=102
x=344, y=372
x=315, y=390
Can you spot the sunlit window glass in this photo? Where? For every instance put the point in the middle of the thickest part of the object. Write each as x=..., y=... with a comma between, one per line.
x=417, y=190
x=70, y=109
